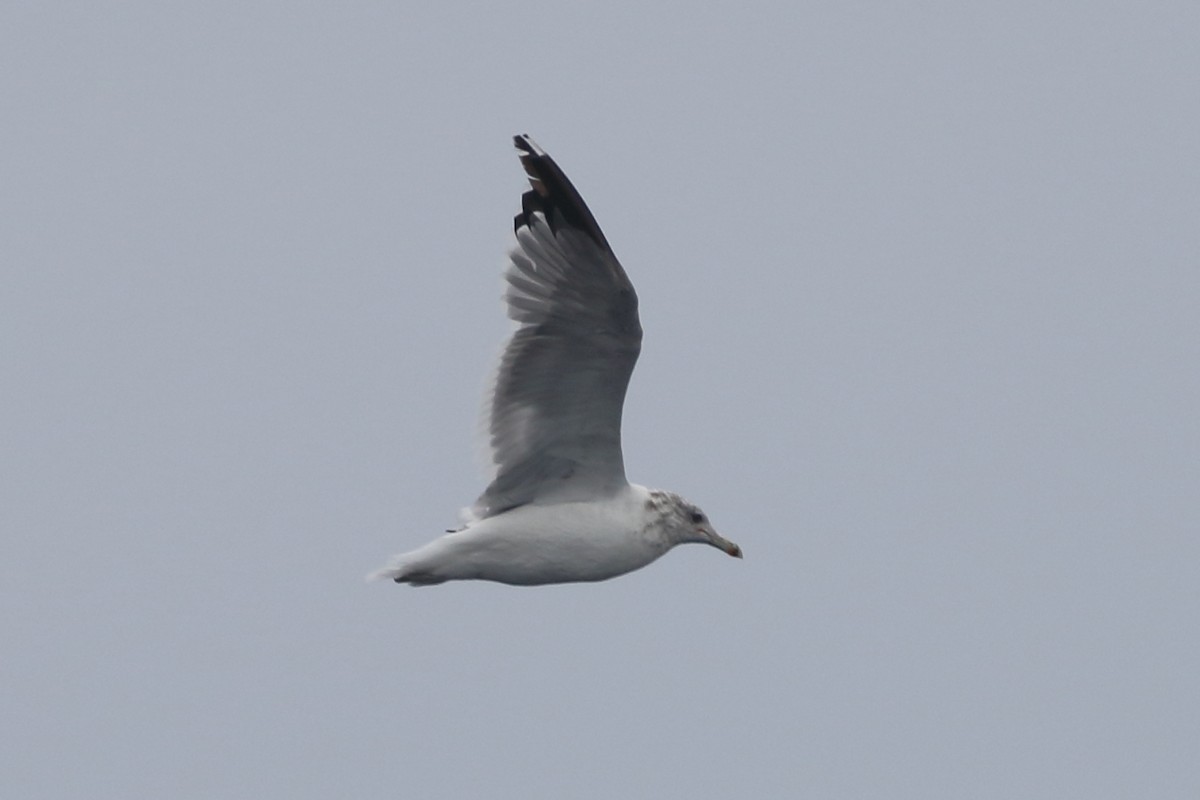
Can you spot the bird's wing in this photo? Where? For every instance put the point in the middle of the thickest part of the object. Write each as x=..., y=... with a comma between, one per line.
x=555, y=420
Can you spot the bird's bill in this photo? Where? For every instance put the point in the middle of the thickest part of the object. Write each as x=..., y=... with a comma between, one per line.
x=720, y=542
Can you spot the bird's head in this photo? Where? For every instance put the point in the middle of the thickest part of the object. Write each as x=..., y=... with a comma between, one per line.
x=686, y=523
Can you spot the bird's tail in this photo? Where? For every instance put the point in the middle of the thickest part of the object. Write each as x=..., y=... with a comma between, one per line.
x=392, y=572
x=401, y=570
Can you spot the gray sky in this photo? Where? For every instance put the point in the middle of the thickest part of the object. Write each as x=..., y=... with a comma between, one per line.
x=920, y=289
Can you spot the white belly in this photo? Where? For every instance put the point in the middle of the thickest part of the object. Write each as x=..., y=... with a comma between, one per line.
x=545, y=544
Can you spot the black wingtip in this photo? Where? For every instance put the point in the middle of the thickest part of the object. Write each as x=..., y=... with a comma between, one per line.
x=552, y=193
x=524, y=143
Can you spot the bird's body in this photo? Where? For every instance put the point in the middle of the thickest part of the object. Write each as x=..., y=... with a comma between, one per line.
x=559, y=508
x=534, y=544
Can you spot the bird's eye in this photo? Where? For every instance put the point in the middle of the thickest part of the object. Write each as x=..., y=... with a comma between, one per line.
x=697, y=518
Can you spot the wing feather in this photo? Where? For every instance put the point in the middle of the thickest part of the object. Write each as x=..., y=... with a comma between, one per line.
x=555, y=424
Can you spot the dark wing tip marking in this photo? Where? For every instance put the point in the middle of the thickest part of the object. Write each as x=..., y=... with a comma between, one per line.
x=552, y=194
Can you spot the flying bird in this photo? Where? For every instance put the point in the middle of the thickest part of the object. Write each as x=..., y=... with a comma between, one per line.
x=559, y=508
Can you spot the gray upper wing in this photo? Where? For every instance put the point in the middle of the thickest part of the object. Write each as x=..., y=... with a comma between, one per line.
x=555, y=422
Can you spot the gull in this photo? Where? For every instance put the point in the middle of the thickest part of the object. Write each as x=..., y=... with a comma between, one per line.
x=559, y=509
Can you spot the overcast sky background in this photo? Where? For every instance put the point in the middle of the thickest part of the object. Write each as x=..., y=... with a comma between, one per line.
x=920, y=286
